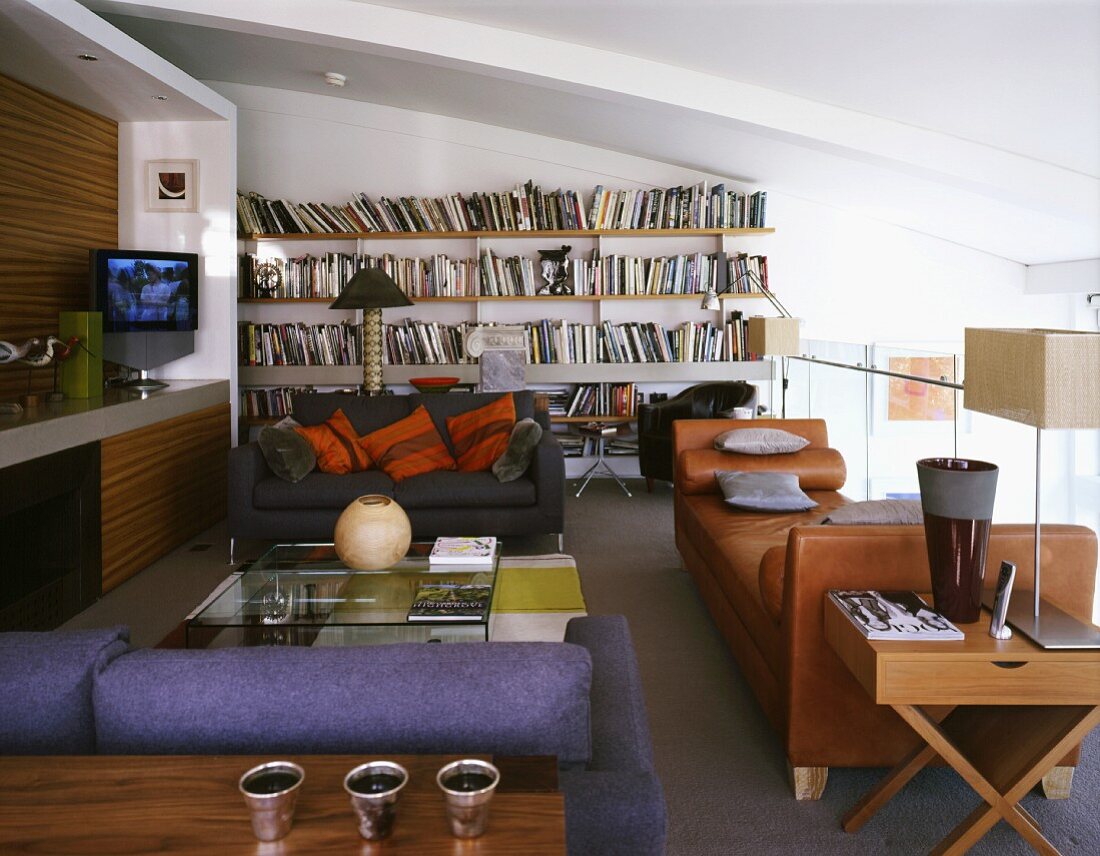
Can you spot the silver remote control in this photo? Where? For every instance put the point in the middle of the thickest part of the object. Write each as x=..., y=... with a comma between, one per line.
x=997, y=627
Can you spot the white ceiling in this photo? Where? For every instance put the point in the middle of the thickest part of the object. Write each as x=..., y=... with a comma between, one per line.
x=1016, y=75
x=126, y=82
x=977, y=122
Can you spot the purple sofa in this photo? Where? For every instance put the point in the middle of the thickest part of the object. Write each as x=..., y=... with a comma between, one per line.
x=87, y=692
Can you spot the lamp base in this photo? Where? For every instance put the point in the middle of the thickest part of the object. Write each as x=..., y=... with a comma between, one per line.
x=1053, y=628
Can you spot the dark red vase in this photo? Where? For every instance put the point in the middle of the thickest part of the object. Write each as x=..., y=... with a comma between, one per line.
x=957, y=498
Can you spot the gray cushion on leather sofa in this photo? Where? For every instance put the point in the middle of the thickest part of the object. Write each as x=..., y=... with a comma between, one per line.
x=513, y=698
x=46, y=689
x=366, y=413
x=450, y=489
x=321, y=490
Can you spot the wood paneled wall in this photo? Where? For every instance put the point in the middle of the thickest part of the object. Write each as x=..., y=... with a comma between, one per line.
x=162, y=485
x=58, y=199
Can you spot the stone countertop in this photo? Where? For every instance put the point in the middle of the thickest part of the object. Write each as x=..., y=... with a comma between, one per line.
x=49, y=428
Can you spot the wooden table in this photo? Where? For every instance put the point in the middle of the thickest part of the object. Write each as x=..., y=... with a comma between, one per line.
x=1015, y=710
x=190, y=804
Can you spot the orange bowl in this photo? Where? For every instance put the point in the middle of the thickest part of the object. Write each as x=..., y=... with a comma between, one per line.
x=433, y=384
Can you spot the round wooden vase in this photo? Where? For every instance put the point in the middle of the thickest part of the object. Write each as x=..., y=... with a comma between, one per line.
x=373, y=533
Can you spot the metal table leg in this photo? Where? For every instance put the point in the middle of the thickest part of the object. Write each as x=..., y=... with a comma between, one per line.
x=601, y=465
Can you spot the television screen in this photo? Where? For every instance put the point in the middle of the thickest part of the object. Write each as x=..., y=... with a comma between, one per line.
x=140, y=291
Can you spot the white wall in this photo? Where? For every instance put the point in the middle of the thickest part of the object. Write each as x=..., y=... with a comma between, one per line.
x=210, y=232
x=849, y=277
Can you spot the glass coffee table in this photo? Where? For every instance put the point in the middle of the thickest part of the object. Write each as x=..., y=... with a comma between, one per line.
x=302, y=594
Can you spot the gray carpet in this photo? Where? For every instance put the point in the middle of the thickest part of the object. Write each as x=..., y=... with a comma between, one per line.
x=722, y=768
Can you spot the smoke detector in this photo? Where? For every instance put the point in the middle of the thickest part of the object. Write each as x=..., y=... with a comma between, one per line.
x=334, y=78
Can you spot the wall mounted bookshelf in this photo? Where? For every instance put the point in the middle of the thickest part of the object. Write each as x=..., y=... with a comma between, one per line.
x=518, y=233
x=670, y=309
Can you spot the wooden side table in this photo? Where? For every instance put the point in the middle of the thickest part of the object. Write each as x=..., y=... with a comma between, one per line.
x=1017, y=709
x=190, y=804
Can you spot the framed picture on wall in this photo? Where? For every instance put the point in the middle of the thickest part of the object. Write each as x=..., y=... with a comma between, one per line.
x=172, y=185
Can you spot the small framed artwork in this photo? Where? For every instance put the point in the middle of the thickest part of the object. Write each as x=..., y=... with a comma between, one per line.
x=172, y=185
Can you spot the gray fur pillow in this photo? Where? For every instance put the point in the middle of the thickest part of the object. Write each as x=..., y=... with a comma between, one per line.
x=878, y=512
x=763, y=491
x=759, y=441
x=287, y=452
x=521, y=448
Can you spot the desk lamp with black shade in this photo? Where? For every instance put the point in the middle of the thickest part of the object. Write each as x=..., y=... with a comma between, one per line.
x=769, y=337
x=1046, y=379
x=371, y=290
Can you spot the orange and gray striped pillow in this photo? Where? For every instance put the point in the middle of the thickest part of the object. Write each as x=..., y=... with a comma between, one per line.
x=481, y=436
x=336, y=445
x=408, y=447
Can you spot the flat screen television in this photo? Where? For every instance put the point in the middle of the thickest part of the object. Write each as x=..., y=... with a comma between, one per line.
x=145, y=291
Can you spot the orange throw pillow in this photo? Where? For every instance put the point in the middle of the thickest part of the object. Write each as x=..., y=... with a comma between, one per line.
x=481, y=436
x=336, y=445
x=408, y=447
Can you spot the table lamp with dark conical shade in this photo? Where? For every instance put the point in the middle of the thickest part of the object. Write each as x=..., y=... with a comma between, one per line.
x=371, y=290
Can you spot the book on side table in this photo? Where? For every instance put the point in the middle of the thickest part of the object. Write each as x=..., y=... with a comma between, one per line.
x=463, y=551
x=450, y=602
x=885, y=615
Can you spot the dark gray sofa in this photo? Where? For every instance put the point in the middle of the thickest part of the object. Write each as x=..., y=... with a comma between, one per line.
x=87, y=692
x=263, y=506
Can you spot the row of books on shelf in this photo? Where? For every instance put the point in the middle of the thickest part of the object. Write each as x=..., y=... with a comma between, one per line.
x=549, y=342
x=638, y=342
x=270, y=402
x=604, y=399
x=677, y=208
x=325, y=276
x=524, y=208
x=577, y=446
x=298, y=344
x=497, y=276
x=413, y=342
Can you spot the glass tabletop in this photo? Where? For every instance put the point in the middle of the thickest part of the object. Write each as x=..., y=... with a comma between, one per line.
x=302, y=594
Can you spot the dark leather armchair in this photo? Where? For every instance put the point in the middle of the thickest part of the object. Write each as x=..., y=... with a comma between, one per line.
x=703, y=401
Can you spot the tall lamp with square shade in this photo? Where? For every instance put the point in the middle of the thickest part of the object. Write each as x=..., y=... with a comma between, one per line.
x=769, y=337
x=371, y=290
x=1046, y=379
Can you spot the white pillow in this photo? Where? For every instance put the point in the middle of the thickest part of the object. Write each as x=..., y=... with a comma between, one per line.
x=759, y=441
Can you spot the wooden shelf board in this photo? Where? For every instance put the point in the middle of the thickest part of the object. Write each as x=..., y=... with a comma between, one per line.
x=537, y=373
x=535, y=233
x=488, y=298
x=569, y=420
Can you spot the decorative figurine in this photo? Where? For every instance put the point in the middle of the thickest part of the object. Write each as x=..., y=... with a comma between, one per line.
x=555, y=270
x=268, y=279
x=34, y=352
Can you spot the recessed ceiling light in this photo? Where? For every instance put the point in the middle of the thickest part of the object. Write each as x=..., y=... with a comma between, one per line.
x=160, y=97
x=334, y=78
x=88, y=57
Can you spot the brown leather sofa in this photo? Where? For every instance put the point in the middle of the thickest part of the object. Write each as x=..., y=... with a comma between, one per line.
x=764, y=579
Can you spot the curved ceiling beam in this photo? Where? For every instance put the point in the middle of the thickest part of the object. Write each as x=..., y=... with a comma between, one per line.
x=446, y=43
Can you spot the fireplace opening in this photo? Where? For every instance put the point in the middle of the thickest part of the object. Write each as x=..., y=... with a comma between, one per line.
x=50, y=566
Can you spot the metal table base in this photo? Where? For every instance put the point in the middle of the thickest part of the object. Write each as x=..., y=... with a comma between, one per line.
x=601, y=464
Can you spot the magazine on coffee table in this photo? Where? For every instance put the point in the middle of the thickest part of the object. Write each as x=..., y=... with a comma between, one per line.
x=885, y=615
x=463, y=551
x=450, y=602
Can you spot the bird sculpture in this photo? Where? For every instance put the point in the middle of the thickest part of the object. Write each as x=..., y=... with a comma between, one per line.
x=36, y=353
x=9, y=353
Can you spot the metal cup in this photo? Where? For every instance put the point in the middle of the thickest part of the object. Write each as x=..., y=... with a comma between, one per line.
x=271, y=792
x=373, y=788
x=468, y=786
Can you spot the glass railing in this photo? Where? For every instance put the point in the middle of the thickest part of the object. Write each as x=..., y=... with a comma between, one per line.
x=883, y=421
x=884, y=424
